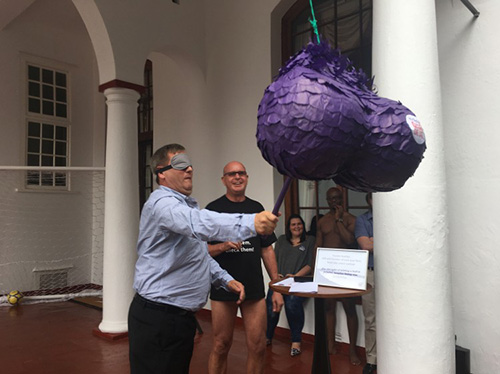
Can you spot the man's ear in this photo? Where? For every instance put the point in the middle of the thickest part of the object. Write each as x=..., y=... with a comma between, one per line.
x=161, y=177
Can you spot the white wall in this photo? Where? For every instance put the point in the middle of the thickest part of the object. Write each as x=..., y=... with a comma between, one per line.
x=238, y=71
x=52, y=30
x=53, y=226
x=180, y=116
x=469, y=53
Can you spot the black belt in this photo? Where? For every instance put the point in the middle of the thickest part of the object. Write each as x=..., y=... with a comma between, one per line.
x=163, y=307
x=371, y=268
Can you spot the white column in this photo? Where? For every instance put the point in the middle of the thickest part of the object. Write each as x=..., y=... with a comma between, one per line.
x=414, y=310
x=121, y=209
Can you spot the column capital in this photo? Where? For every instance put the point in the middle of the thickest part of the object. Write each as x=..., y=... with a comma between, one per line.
x=122, y=84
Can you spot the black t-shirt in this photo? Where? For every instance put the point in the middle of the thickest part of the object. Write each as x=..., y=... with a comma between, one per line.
x=244, y=265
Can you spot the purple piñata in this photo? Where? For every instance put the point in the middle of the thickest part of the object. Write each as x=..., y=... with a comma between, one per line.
x=319, y=120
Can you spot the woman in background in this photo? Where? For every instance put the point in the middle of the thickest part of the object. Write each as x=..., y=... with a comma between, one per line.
x=293, y=254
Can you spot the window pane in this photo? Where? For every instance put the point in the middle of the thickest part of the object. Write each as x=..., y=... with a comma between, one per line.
x=48, y=92
x=48, y=108
x=47, y=161
x=48, y=131
x=34, y=89
x=33, y=145
x=61, y=110
x=33, y=73
x=33, y=129
x=347, y=8
x=33, y=178
x=60, y=179
x=47, y=146
x=60, y=161
x=47, y=179
x=33, y=105
x=60, y=148
x=349, y=32
x=61, y=95
x=61, y=133
x=324, y=186
x=300, y=41
x=33, y=160
x=60, y=79
x=47, y=76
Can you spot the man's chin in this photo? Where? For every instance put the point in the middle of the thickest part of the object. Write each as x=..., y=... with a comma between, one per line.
x=188, y=189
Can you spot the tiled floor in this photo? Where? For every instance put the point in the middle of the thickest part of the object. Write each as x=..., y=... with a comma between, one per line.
x=56, y=338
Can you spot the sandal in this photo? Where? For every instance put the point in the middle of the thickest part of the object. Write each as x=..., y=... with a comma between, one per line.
x=295, y=352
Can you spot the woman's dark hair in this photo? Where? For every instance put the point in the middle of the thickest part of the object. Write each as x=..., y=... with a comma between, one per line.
x=314, y=225
x=288, y=233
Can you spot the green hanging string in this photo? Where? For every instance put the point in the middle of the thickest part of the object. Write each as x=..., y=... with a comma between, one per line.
x=313, y=22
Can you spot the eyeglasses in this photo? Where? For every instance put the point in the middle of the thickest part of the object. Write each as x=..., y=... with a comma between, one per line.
x=233, y=174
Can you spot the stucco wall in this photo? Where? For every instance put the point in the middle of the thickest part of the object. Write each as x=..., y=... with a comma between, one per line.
x=40, y=226
x=469, y=53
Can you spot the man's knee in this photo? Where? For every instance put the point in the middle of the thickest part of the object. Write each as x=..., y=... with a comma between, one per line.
x=221, y=346
x=257, y=347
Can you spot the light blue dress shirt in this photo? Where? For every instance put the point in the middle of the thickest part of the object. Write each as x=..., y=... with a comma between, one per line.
x=364, y=227
x=174, y=266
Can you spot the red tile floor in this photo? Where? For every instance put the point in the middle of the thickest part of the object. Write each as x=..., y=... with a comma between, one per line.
x=56, y=338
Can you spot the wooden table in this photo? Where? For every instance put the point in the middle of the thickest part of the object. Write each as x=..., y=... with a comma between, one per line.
x=321, y=359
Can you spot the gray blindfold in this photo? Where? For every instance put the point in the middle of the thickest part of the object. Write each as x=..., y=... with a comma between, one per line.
x=179, y=162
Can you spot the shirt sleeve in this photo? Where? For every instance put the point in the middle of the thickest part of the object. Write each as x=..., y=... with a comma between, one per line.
x=203, y=224
x=360, y=228
x=219, y=276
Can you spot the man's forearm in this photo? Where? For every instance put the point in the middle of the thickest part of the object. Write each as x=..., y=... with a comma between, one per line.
x=270, y=262
x=216, y=249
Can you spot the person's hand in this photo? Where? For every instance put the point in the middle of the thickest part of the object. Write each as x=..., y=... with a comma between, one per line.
x=237, y=287
x=339, y=211
x=231, y=245
x=265, y=222
x=278, y=302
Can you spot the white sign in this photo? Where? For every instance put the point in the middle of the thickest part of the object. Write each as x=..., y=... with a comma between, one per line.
x=344, y=268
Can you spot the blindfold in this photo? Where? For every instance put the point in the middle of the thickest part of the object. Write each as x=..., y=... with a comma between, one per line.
x=179, y=162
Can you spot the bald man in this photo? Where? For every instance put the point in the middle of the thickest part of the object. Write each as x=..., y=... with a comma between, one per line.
x=241, y=259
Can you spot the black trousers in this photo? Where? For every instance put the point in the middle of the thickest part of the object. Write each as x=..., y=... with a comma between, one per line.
x=161, y=338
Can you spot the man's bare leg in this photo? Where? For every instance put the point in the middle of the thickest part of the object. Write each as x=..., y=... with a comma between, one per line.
x=254, y=319
x=352, y=328
x=223, y=317
x=331, y=321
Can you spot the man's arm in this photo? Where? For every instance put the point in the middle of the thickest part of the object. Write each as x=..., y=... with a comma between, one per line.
x=346, y=228
x=221, y=278
x=270, y=262
x=271, y=265
x=304, y=271
x=365, y=243
x=217, y=249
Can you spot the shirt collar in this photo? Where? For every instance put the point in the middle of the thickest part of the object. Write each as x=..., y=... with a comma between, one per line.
x=191, y=201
